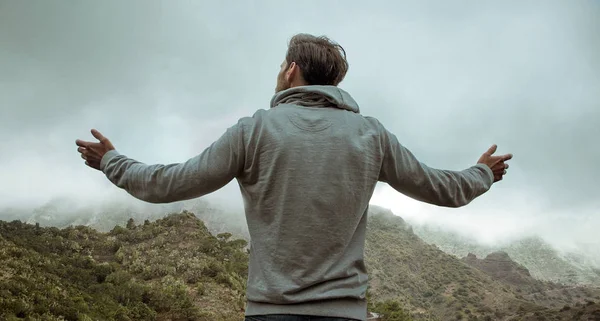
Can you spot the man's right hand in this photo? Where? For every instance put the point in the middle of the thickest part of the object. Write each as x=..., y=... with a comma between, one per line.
x=495, y=163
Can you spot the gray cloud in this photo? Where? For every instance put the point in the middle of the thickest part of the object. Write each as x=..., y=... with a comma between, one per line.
x=164, y=79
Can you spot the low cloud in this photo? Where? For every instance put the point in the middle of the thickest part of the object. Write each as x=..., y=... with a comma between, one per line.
x=162, y=81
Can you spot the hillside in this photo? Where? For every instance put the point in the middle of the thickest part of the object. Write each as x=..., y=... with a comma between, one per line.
x=434, y=285
x=543, y=261
x=171, y=269
x=62, y=213
x=428, y=282
x=501, y=267
x=180, y=268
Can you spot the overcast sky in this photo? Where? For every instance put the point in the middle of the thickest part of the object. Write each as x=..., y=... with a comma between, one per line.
x=164, y=79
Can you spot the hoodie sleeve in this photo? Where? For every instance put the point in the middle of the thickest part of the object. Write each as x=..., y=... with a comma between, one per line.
x=403, y=172
x=216, y=166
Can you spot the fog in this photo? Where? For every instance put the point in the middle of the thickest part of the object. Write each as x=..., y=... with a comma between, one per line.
x=163, y=80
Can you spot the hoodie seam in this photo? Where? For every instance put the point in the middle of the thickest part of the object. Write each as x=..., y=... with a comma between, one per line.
x=314, y=130
x=341, y=96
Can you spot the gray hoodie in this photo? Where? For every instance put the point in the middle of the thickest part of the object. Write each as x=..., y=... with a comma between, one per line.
x=306, y=168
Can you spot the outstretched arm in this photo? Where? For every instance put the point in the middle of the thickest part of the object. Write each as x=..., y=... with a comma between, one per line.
x=403, y=172
x=216, y=166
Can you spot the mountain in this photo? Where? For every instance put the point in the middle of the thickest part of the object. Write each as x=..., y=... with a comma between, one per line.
x=62, y=212
x=189, y=267
x=542, y=260
x=501, y=267
x=434, y=285
x=170, y=269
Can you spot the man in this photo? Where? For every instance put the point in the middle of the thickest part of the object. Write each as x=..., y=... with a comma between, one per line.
x=307, y=168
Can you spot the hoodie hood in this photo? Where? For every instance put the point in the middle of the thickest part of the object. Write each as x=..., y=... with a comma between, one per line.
x=316, y=96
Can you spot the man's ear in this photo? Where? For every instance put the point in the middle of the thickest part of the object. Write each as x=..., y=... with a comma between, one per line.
x=291, y=71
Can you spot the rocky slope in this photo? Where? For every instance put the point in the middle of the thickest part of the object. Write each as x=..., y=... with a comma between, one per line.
x=543, y=261
x=501, y=267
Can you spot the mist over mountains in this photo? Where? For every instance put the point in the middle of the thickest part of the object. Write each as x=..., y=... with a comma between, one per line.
x=167, y=263
x=522, y=75
x=545, y=262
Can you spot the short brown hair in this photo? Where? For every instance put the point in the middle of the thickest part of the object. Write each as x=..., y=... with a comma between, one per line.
x=321, y=60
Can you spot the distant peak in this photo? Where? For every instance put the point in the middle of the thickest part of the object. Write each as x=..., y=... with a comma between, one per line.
x=498, y=256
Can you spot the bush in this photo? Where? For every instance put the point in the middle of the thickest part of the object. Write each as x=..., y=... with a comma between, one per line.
x=140, y=273
x=391, y=311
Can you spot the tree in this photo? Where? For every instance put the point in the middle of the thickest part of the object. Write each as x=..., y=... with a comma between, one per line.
x=391, y=311
x=130, y=224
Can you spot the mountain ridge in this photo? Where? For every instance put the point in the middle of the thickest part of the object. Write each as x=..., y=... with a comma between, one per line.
x=542, y=260
x=408, y=277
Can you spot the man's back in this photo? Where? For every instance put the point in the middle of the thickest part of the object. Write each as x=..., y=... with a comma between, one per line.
x=311, y=165
x=309, y=175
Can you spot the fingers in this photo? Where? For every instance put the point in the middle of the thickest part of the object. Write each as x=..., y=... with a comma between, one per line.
x=82, y=143
x=496, y=160
x=103, y=140
x=499, y=170
x=85, y=150
x=502, y=158
x=96, y=135
x=500, y=166
x=491, y=150
x=88, y=154
x=99, y=136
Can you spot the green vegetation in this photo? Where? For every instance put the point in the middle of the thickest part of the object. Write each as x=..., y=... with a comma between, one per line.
x=176, y=268
x=390, y=311
x=171, y=269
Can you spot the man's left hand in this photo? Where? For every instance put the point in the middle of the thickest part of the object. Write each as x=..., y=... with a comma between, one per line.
x=93, y=152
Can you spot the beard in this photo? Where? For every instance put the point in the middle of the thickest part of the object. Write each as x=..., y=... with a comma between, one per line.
x=281, y=83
